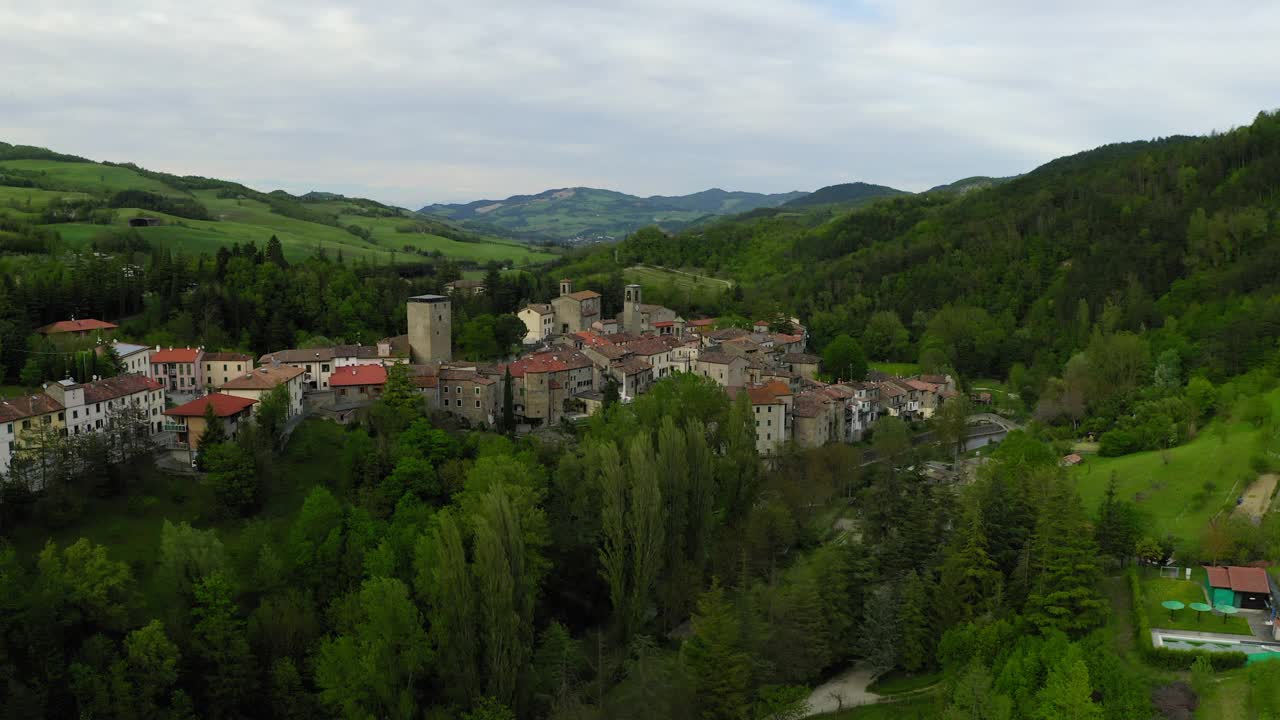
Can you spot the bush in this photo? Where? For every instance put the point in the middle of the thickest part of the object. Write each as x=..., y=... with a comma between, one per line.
x=1118, y=442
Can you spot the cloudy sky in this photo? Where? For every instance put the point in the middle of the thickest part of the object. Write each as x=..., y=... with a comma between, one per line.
x=416, y=101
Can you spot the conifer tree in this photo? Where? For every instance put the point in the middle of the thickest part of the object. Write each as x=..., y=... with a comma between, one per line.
x=1064, y=592
x=971, y=584
x=718, y=667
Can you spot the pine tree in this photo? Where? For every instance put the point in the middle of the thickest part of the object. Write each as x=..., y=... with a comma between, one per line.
x=918, y=637
x=1064, y=592
x=1067, y=694
x=720, y=670
x=971, y=583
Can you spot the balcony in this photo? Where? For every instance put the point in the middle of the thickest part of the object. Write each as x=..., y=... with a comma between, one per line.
x=174, y=427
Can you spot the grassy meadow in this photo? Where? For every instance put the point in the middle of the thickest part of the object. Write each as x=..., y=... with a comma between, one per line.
x=240, y=220
x=683, y=281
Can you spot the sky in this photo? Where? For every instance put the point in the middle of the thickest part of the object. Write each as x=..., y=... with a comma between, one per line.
x=418, y=101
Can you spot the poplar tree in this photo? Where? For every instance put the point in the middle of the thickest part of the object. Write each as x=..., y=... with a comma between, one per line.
x=506, y=599
x=444, y=579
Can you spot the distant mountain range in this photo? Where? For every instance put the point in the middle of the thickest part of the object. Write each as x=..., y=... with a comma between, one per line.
x=583, y=214
x=591, y=214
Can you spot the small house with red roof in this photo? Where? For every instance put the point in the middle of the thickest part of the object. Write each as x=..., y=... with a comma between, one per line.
x=187, y=421
x=1243, y=587
x=357, y=383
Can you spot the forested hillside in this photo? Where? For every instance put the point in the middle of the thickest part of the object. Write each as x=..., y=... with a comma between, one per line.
x=581, y=213
x=1176, y=238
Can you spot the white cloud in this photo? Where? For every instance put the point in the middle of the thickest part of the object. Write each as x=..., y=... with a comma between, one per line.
x=413, y=102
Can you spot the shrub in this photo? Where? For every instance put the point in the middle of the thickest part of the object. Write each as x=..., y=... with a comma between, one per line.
x=1117, y=442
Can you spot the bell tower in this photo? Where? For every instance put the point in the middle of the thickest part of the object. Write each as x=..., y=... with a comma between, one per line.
x=631, y=309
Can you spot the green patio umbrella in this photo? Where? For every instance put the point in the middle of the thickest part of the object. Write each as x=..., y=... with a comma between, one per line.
x=1227, y=611
x=1172, y=605
x=1200, y=609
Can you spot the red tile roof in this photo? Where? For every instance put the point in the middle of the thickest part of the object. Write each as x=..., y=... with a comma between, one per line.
x=591, y=339
x=223, y=406
x=358, y=375
x=227, y=357
x=175, y=355
x=1239, y=579
x=117, y=387
x=703, y=322
x=27, y=406
x=66, y=326
x=664, y=323
x=583, y=295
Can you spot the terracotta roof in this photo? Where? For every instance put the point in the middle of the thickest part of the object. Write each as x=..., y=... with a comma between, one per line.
x=889, y=390
x=934, y=379
x=784, y=339
x=1072, y=459
x=701, y=322
x=175, y=355
x=358, y=375
x=612, y=352
x=621, y=338
x=26, y=406
x=553, y=361
x=540, y=308
x=583, y=295
x=1239, y=579
x=591, y=339
x=921, y=386
x=298, y=355
x=760, y=394
x=117, y=387
x=263, y=378
x=223, y=406
x=663, y=323
x=66, y=326
x=227, y=357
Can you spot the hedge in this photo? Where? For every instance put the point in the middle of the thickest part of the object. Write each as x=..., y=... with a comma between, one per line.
x=1168, y=658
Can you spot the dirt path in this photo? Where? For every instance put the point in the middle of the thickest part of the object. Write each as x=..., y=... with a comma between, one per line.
x=1258, y=497
x=843, y=691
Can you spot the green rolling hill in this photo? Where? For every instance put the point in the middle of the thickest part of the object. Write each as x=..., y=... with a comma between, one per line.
x=590, y=214
x=86, y=202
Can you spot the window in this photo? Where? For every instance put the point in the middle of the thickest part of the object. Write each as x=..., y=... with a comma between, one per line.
x=10, y=428
x=757, y=409
x=477, y=391
x=224, y=367
x=459, y=403
x=97, y=424
x=62, y=416
x=446, y=389
x=477, y=403
x=324, y=367
x=26, y=424
x=75, y=414
x=97, y=408
x=768, y=436
x=458, y=389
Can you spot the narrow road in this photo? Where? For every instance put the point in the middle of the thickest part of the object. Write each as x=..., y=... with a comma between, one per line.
x=846, y=690
x=1257, y=498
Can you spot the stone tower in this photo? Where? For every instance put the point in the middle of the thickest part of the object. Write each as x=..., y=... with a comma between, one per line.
x=631, y=309
x=566, y=287
x=430, y=328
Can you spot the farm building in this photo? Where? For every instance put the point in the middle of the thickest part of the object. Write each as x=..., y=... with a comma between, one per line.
x=1243, y=587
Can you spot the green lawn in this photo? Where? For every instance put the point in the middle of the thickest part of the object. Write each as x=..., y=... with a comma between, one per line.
x=1229, y=698
x=1157, y=590
x=685, y=280
x=903, y=369
x=1000, y=397
x=385, y=236
x=91, y=176
x=1165, y=487
x=29, y=201
x=896, y=682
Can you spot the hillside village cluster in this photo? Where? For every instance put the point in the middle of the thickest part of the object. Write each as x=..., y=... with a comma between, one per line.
x=573, y=354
